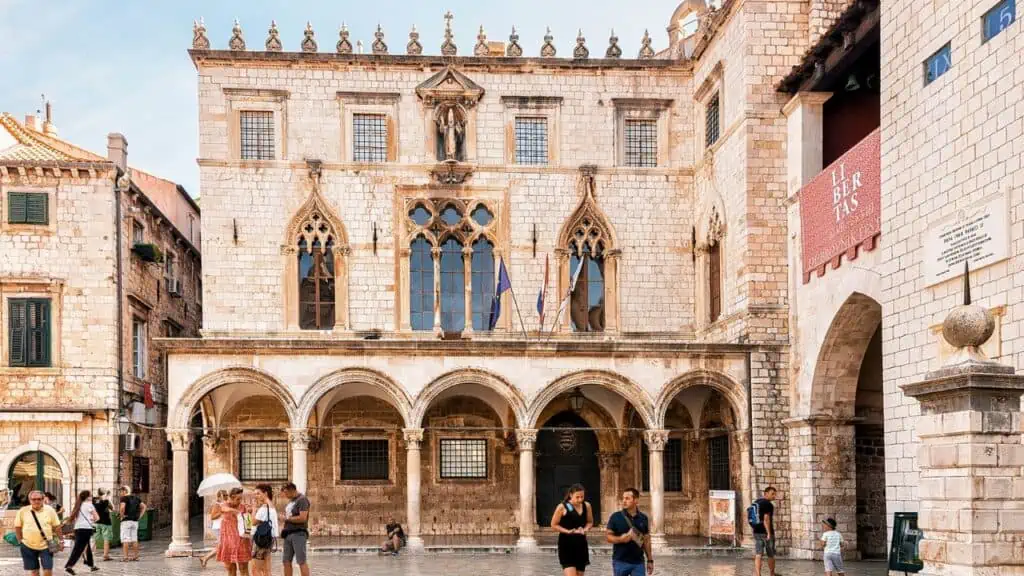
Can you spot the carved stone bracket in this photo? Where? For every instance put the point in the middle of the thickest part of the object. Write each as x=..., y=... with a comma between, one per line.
x=179, y=439
x=212, y=439
x=413, y=438
x=656, y=439
x=527, y=438
x=451, y=173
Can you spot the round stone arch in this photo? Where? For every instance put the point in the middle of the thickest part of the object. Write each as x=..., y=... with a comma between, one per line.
x=394, y=394
x=617, y=383
x=476, y=376
x=837, y=368
x=727, y=387
x=181, y=415
x=37, y=446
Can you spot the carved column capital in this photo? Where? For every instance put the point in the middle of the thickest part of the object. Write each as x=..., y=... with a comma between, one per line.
x=299, y=438
x=179, y=439
x=656, y=439
x=609, y=460
x=527, y=438
x=413, y=438
x=211, y=439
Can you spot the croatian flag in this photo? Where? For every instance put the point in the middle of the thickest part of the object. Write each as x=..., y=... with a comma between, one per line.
x=543, y=293
x=572, y=288
x=504, y=284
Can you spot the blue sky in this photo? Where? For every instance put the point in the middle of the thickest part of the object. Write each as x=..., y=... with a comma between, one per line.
x=119, y=66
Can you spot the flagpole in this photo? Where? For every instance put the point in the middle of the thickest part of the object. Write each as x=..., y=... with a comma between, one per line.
x=518, y=313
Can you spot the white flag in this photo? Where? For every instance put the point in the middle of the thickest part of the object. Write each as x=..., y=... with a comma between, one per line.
x=572, y=288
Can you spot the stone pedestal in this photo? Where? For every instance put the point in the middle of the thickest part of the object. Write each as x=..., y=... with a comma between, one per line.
x=656, y=440
x=299, y=439
x=527, y=491
x=180, y=545
x=413, y=440
x=972, y=470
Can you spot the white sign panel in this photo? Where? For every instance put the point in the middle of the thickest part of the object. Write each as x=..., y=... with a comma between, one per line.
x=978, y=233
x=722, y=514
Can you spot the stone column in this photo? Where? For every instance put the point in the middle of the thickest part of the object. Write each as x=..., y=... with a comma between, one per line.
x=970, y=456
x=527, y=491
x=610, y=493
x=467, y=269
x=299, y=440
x=656, y=440
x=435, y=253
x=181, y=545
x=804, y=134
x=413, y=439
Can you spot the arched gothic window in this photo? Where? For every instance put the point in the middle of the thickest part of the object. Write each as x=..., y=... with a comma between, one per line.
x=483, y=283
x=316, y=284
x=587, y=303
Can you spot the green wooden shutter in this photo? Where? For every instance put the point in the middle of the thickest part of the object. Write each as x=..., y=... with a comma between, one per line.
x=36, y=208
x=38, y=353
x=17, y=332
x=16, y=207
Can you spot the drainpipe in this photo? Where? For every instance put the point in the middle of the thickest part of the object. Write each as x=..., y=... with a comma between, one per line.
x=117, y=152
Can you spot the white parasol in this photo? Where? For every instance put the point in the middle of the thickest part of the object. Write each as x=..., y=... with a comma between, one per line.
x=213, y=484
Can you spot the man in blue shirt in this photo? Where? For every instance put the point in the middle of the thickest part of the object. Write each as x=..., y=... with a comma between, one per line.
x=629, y=534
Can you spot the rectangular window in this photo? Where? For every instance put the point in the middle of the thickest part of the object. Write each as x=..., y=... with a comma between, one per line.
x=711, y=122
x=257, y=134
x=140, y=475
x=262, y=460
x=715, y=281
x=718, y=463
x=138, y=233
x=138, y=348
x=938, y=64
x=671, y=466
x=641, y=146
x=369, y=138
x=29, y=332
x=461, y=459
x=998, y=19
x=531, y=140
x=28, y=208
x=191, y=229
x=364, y=460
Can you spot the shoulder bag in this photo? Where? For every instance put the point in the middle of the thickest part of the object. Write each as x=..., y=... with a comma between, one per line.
x=54, y=544
x=638, y=538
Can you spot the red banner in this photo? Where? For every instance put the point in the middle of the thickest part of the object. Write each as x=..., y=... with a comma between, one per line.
x=841, y=208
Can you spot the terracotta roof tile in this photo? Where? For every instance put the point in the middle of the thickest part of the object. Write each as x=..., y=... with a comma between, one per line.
x=33, y=146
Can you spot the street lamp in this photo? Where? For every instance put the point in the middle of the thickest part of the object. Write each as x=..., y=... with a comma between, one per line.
x=576, y=400
x=124, y=424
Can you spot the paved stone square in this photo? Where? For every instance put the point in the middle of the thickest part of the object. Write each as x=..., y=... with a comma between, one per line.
x=453, y=565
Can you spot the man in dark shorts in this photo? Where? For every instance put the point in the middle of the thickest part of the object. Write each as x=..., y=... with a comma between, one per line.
x=295, y=532
x=629, y=534
x=764, y=532
x=396, y=537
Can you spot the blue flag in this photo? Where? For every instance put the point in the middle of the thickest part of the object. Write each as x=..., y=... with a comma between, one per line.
x=504, y=284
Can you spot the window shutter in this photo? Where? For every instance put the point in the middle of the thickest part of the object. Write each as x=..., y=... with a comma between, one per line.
x=42, y=329
x=17, y=332
x=16, y=207
x=36, y=208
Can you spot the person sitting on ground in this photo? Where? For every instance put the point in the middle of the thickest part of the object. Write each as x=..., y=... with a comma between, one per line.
x=396, y=537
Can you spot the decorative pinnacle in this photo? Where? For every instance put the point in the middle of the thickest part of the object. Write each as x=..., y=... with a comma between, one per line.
x=379, y=47
x=547, y=50
x=344, y=45
x=581, y=51
x=273, y=43
x=514, y=50
x=613, y=47
x=967, y=283
x=308, y=40
x=448, y=47
x=481, y=43
x=646, y=52
x=199, y=39
x=237, y=42
x=968, y=326
x=414, y=46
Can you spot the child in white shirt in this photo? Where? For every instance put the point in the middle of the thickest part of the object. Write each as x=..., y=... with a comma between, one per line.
x=832, y=540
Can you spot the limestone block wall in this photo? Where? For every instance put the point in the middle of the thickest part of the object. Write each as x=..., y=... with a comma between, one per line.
x=822, y=15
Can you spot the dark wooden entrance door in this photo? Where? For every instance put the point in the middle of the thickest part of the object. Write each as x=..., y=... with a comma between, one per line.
x=566, y=456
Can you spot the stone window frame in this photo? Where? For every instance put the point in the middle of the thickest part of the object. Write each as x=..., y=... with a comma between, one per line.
x=435, y=457
x=657, y=109
x=240, y=100
x=547, y=107
x=713, y=85
x=18, y=288
x=236, y=455
x=381, y=103
x=340, y=434
x=711, y=230
x=47, y=229
x=435, y=198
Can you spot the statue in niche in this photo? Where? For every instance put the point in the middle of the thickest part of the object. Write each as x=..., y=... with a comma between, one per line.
x=451, y=134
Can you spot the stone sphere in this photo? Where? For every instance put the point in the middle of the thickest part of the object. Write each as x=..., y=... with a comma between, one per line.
x=968, y=325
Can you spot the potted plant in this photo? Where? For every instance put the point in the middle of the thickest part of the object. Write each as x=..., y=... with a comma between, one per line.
x=148, y=252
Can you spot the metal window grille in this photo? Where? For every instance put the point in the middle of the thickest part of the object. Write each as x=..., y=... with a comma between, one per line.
x=262, y=460
x=711, y=122
x=718, y=463
x=531, y=140
x=464, y=458
x=671, y=466
x=370, y=138
x=364, y=459
x=257, y=129
x=641, y=143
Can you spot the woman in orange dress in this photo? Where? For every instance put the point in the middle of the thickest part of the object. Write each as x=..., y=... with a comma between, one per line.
x=234, y=550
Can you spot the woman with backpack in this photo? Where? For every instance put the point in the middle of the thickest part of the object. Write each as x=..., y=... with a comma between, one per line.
x=572, y=520
x=265, y=531
x=235, y=548
x=83, y=520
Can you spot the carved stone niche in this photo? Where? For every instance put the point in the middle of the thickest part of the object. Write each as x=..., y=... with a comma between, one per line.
x=450, y=100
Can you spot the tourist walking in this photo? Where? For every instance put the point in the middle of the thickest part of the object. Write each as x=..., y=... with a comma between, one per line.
x=82, y=519
x=234, y=549
x=832, y=541
x=36, y=528
x=215, y=521
x=265, y=531
x=131, y=509
x=761, y=517
x=296, y=530
x=628, y=533
x=104, y=526
x=572, y=519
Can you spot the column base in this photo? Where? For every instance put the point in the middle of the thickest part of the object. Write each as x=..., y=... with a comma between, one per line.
x=658, y=542
x=415, y=544
x=179, y=550
x=527, y=545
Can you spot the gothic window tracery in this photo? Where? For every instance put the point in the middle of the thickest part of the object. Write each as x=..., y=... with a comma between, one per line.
x=316, y=274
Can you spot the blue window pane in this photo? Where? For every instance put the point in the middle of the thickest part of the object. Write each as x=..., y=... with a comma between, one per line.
x=421, y=285
x=453, y=287
x=938, y=64
x=482, y=216
x=483, y=283
x=999, y=18
x=419, y=215
x=451, y=216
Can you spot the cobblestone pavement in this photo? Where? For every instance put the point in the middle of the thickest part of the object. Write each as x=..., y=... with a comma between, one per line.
x=449, y=565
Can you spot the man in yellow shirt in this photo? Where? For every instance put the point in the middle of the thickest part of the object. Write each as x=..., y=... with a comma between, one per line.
x=35, y=525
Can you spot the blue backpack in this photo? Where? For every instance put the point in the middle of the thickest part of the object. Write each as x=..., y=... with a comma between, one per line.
x=754, y=514
x=263, y=536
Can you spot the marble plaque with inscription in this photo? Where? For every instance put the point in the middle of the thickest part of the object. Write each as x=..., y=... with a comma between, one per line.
x=978, y=233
